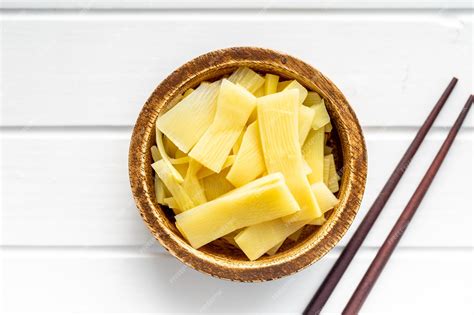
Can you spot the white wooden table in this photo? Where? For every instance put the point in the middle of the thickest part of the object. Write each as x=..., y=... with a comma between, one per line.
x=74, y=75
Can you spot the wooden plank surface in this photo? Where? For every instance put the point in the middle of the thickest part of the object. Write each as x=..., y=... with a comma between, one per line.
x=239, y=4
x=137, y=281
x=70, y=187
x=93, y=68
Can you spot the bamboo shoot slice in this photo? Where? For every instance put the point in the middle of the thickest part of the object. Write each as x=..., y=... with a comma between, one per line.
x=302, y=91
x=257, y=239
x=237, y=144
x=318, y=221
x=161, y=149
x=204, y=172
x=313, y=153
x=247, y=78
x=326, y=167
x=271, y=199
x=312, y=98
x=327, y=150
x=159, y=190
x=230, y=238
x=328, y=127
x=181, y=160
x=333, y=177
x=155, y=154
x=271, y=84
x=326, y=199
x=188, y=91
x=295, y=236
x=249, y=163
x=187, y=121
x=171, y=203
x=192, y=185
x=177, y=191
x=305, y=121
x=259, y=92
x=278, y=127
x=282, y=85
x=272, y=251
x=234, y=106
x=179, y=154
x=307, y=169
x=216, y=185
x=321, y=117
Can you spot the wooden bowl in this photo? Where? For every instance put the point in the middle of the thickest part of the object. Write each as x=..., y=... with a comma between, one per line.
x=220, y=259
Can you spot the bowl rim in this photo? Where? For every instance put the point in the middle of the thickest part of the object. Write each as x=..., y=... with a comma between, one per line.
x=314, y=247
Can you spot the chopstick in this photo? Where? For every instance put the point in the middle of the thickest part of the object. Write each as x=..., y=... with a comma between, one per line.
x=383, y=255
x=335, y=274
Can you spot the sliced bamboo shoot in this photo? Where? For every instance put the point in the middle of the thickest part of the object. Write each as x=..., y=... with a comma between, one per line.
x=230, y=238
x=177, y=191
x=328, y=127
x=247, y=78
x=302, y=91
x=253, y=117
x=271, y=84
x=312, y=98
x=179, y=154
x=270, y=199
x=181, y=160
x=234, y=106
x=186, y=122
x=258, y=239
x=327, y=162
x=159, y=190
x=161, y=149
x=192, y=185
x=237, y=144
x=272, y=251
x=313, y=153
x=295, y=236
x=278, y=127
x=318, y=221
x=327, y=150
x=326, y=199
x=249, y=163
x=188, y=91
x=155, y=154
x=333, y=177
x=171, y=203
x=204, y=172
x=321, y=117
x=216, y=185
x=259, y=92
x=307, y=169
x=282, y=85
x=305, y=121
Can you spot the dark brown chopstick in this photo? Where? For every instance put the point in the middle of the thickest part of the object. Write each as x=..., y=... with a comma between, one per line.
x=327, y=287
x=385, y=252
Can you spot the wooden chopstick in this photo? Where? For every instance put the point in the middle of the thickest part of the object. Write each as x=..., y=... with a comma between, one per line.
x=335, y=274
x=383, y=255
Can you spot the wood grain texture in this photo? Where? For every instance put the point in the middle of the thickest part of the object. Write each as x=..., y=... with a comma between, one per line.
x=99, y=68
x=214, y=259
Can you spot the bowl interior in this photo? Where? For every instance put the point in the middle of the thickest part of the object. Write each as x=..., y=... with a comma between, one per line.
x=221, y=248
